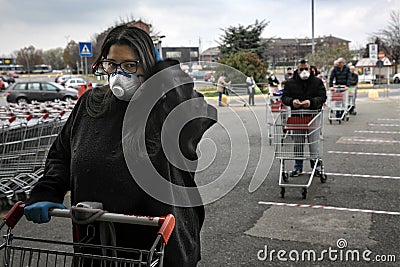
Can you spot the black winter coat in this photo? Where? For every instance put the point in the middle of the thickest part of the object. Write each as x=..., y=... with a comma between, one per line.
x=341, y=76
x=312, y=89
x=88, y=159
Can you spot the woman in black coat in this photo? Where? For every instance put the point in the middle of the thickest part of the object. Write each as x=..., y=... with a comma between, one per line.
x=112, y=147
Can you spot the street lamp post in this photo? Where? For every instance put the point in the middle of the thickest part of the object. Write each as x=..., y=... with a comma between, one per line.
x=312, y=26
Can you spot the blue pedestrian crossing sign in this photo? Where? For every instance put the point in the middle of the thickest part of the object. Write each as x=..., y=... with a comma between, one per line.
x=85, y=49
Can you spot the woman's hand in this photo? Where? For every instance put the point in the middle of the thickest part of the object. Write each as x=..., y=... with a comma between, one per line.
x=39, y=212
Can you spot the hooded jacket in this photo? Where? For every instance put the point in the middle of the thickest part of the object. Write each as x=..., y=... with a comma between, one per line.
x=341, y=76
x=88, y=159
x=312, y=89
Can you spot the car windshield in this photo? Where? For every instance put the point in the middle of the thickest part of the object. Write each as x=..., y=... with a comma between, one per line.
x=57, y=85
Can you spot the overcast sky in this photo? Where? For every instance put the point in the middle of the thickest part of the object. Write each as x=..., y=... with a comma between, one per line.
x=48, y=24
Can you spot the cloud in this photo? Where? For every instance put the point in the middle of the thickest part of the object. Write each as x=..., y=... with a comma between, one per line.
x=48, y=24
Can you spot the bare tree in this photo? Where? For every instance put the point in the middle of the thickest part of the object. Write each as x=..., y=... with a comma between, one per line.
x=29, y=56
x=389, y=38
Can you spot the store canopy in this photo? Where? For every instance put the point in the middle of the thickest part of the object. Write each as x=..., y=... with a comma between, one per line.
x=367, y=62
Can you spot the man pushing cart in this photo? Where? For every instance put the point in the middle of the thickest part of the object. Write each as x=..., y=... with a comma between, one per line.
x=304, y=94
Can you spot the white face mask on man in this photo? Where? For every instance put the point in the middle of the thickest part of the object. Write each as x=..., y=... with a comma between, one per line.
x=304, y=74
x=124, y=85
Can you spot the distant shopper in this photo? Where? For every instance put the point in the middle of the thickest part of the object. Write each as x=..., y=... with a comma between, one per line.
x=250, y=89
x=288, y=74
x=272, y=80
x=316, y=72
x=340, y=75
x=221, y=85
x=353, y=89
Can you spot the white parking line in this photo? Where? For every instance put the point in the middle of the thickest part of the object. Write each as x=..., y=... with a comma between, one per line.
x=328, y=208
x=364, y=153
x=362, y=140
x=388, y=119
x=383, y=125
x=364, y=175
x=377, y=132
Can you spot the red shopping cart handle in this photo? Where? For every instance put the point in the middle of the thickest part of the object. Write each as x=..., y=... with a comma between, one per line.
x=14, y=214
x=167, y=226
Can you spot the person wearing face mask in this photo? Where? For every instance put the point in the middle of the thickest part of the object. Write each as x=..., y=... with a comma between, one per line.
x=304, y=91
x=89, y=159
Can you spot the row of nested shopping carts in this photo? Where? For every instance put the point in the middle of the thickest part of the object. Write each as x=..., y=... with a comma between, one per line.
x=26, y=134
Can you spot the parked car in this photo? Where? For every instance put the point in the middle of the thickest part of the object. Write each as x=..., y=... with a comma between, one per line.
x=2, y=85
x=25, y=92
x=209, y=77
x=198, y=75
x=7, y=79
x=75, y=83
x=63, y=78
x=396, y=78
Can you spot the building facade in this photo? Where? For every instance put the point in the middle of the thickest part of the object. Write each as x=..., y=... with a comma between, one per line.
x=182, y=54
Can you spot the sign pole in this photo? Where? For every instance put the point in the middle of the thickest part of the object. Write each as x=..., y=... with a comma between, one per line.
x=81, y=66
x=86, y=70
x=85, y=50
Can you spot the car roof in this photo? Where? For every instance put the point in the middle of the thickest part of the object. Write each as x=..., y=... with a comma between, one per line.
x=41, y=82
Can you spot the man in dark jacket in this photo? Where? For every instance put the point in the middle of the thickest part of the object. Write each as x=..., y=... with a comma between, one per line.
x=342, y=76
x=304, y=91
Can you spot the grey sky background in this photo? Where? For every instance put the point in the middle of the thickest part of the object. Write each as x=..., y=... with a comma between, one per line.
x=48, y=24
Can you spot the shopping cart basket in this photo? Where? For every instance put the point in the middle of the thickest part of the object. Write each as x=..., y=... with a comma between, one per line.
x=338, y=102
x=297, y=137
x=24, y=145
x=273, y=107
x=237, y=93
x=31, y=251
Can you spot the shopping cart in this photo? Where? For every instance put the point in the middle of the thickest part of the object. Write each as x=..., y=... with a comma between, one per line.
x=24, y=144
x=237, y=93
x=338, y=103
x=273, y=107
x=297, y=137
x=32, y=251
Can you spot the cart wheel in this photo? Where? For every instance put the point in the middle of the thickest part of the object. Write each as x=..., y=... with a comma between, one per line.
x=323, y=178
x=330, y=121
x=347, y=118
x=304, y=193
x=340, y=121
x=354, y=113
x=285, y=177
x=283, y=192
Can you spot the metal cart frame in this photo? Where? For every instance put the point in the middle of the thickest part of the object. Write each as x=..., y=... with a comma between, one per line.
x=297, y=137
x=338, y=103
x=273, y=108
x=30, y=251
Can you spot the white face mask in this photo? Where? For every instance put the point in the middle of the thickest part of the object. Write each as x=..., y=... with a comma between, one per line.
x=304, y=74
x=124, y=85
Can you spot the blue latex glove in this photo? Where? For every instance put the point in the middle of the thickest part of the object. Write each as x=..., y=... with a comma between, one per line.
x=158, y=57
x=39, y=212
